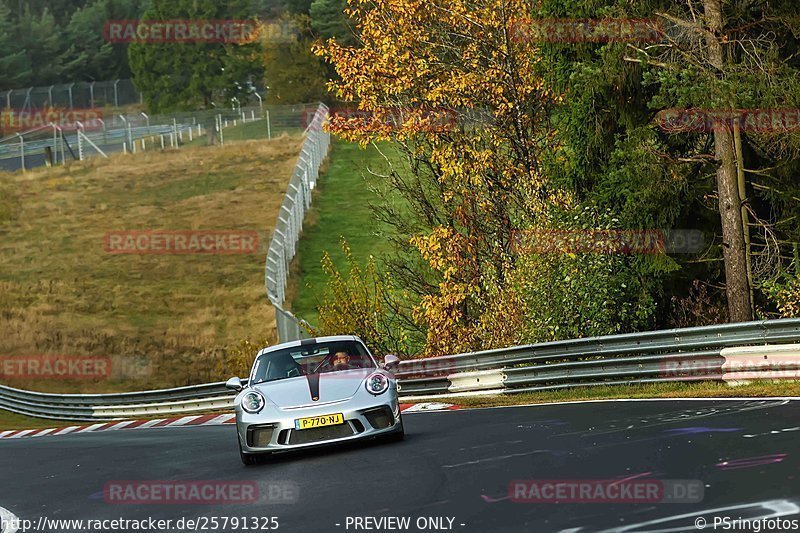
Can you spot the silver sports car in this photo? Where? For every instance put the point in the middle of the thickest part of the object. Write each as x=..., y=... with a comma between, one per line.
x=313, y=392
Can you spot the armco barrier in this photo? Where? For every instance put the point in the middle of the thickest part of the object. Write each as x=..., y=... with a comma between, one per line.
x=734, y=353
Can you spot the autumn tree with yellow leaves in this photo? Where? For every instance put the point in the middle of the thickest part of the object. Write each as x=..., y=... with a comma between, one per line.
x=453, y=85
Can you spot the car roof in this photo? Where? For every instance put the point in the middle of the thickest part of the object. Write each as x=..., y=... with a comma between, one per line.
x=302, y=342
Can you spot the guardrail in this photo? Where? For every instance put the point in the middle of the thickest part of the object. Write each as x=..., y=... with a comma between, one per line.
x=733, y=353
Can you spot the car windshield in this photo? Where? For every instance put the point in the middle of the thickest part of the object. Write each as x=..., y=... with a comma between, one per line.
x=320, y=358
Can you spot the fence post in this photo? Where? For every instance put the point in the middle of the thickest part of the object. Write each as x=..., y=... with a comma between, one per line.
x=55, y=143
x=22, y=150
x=116, y=94
x=63, y=148
x=269, y=127
x=80, y=143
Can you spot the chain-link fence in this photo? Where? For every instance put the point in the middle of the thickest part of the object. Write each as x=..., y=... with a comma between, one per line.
x=58, y=143
x=78, y=95
x=297, y=202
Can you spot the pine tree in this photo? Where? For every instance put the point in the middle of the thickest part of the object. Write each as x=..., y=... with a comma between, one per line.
x=13, y=69
x=329, y=21
x=40, y=38
x=192, y=75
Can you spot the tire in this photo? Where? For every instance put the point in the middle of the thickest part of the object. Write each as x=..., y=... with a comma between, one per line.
x=398, y=435
x=249, y=459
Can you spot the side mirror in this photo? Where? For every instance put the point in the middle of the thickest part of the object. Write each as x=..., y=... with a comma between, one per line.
x=390, y=362
x=234, y=384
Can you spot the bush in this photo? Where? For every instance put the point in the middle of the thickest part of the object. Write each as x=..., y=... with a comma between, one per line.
x=361, y=302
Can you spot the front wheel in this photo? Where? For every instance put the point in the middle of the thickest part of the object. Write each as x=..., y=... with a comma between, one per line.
x=248, y=459
x=398, y=435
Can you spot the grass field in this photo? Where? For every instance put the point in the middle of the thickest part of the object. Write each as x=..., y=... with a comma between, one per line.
x=10, y=420
x=255, y=130
x=341, y=208
x=61, y=293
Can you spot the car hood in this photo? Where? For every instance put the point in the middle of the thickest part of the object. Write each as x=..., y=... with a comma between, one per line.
x=333, y=387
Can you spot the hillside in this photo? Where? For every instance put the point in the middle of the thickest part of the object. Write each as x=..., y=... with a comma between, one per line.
x=162, y=320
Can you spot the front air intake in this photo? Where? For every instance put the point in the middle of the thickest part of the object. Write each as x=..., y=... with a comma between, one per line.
x=380, y=418
x=307, y=436
x=260, y=436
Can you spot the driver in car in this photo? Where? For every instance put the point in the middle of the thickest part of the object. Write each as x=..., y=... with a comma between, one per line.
x=341, y=361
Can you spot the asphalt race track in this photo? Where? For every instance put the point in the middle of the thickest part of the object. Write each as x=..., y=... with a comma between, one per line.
x=453, y=465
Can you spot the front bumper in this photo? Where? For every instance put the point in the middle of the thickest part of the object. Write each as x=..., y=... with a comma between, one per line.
x=273, y=429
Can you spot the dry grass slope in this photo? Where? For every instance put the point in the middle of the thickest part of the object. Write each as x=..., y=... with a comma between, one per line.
x=173, y=315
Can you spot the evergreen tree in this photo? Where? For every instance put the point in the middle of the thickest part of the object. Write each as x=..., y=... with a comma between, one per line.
x=13, y=68
x=609, y=149
x=191, y=75
x=329, y=21
x=39, y=36
x=89, y=56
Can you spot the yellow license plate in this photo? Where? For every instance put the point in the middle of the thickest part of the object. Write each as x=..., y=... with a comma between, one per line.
x=319, y=421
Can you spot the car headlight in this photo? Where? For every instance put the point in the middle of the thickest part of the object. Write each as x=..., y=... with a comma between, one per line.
x=253, y=402
x=377, y=383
